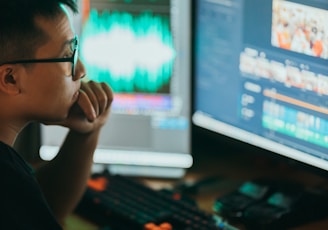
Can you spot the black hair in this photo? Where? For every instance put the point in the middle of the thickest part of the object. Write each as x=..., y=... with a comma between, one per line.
x=19, y=34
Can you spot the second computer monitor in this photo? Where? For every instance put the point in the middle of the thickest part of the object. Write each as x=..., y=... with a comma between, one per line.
x=261, y=75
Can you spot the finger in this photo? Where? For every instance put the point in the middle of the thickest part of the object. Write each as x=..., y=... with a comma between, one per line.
x=86, y=87
x=86, y=106
x=109, y=92
x=102, y=98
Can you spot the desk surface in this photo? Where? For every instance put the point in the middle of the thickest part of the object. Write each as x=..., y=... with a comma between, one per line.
x=232, y=169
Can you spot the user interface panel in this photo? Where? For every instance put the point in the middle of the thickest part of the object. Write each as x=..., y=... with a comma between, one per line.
x=261, y=74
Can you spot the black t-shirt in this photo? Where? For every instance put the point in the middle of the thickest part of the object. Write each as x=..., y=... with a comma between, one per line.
x=22, y=204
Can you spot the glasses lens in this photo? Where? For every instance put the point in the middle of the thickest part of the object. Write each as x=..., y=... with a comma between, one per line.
x=75, y=58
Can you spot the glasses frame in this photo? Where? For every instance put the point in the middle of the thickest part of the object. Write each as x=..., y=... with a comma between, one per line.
x=72, y=59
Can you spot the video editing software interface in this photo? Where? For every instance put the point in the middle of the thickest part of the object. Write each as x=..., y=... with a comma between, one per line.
x=261, y=74
x=141, y=49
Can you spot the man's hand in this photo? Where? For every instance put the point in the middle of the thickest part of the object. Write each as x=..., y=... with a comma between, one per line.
x=71, y=168
x=92, y=108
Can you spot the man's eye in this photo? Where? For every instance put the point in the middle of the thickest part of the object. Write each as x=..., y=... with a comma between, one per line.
x=68, y=54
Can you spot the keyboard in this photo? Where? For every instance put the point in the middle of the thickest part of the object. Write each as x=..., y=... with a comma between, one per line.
x=122, y=203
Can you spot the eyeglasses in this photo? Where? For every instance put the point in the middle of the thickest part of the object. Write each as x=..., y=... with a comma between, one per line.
x=72, y=59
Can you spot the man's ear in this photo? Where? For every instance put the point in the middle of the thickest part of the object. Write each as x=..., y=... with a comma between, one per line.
x=8, y=80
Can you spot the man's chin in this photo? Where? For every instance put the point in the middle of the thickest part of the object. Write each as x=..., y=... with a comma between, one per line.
x=54, y=120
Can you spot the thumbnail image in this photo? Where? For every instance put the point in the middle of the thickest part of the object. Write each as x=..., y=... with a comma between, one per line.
x=247, y=63
x=300, y=28
x=279, y=71
x=323, y=85
x=254, y=63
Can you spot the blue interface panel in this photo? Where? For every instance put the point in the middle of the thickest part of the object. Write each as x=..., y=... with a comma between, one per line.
x=261, y=74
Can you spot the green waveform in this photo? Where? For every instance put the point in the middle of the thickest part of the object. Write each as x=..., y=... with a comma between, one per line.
x=124, y=66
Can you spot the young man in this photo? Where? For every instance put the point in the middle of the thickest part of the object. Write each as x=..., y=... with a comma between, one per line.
x=40, y=80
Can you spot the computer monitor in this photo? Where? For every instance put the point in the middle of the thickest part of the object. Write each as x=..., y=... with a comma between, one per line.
x=261, y=76
x=142, y=50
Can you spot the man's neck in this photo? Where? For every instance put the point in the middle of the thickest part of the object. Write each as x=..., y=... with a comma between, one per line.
x=9, y=132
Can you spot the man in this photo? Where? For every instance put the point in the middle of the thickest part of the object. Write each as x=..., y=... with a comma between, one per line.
x=40, y=80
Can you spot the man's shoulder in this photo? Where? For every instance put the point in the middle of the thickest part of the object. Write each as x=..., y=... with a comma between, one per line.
x=22, y=203
x=13, y=166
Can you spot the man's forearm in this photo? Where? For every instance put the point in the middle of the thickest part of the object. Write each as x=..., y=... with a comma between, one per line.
x=63, y=179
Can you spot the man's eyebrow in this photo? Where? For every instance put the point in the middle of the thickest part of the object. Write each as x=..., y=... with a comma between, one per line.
x=69, y=42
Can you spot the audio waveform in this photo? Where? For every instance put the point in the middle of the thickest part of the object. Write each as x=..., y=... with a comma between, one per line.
x=130, y=53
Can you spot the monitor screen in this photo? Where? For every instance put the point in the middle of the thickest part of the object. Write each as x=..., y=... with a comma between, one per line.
x=141, y=49
x=261, y=75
